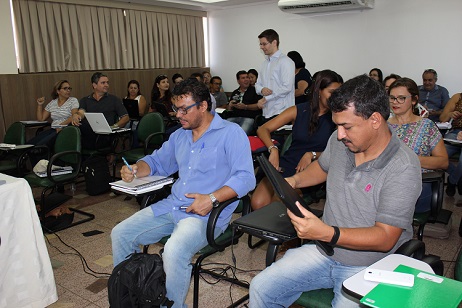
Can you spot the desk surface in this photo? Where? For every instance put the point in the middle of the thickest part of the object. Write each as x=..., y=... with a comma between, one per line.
x=357, y=286
x=26, y=276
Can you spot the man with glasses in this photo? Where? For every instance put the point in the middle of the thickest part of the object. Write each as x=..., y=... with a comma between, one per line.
x=213, y=161
x=102, y=102
x=431, y=95
x=215, y=90
x=276, y=81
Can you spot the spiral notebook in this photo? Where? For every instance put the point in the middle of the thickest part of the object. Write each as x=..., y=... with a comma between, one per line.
x=144, y=184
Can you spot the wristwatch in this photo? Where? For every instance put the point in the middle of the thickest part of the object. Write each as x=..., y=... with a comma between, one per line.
x=314, y=157
x=215, y=202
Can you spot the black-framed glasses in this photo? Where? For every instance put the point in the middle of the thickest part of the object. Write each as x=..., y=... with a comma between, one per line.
x=66, y=89
x=400, y=99
x=184, y=110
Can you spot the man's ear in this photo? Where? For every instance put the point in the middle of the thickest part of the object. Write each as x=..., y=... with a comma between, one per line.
x=376, y=120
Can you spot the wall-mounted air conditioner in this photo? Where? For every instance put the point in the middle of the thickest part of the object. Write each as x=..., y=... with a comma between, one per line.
x=321, y=6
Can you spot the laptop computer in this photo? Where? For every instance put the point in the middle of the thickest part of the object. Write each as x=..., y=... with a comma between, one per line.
x=289, y=196
x=132, y=108
x=270, y=222
x=100, y=125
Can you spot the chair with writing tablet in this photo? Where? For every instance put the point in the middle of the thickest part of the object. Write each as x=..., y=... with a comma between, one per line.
x=11, y=160
x=66, y=153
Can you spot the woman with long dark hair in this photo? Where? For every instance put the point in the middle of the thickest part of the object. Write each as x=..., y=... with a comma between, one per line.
x=302, y=77
x=312, y=127
x=161, y=94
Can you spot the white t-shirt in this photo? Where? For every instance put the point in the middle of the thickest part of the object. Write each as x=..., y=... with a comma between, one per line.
x=61, y=114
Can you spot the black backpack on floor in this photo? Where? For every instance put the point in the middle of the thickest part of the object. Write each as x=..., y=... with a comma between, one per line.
x=97, y=176
x=138, y=282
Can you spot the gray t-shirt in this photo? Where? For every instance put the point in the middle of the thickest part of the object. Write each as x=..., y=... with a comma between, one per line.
x=382, y=190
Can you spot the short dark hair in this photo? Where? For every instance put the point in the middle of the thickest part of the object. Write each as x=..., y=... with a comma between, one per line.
x=391, y=76
x=198, y=91
x=430, y=70
x=175, y=76
x=270, y=35
x=195, y=75
x=215, y=77
x=96, y=76
x=253, y=71
x=238, y=74
x=365, y=94
x=297, y=58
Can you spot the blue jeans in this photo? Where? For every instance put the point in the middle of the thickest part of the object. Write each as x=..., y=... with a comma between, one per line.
x=301, y=269
x=245, y=123
x=188, y=236
x=454, y=171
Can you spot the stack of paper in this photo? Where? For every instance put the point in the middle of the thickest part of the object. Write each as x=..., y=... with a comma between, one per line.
x=142, y=185
x=56, y=171
x=7, y=145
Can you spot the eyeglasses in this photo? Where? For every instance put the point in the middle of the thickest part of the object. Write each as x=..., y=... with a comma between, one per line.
x=399, y=99
x=217, y=83
x=184, y=110
x=264, y=44
x=66, y=89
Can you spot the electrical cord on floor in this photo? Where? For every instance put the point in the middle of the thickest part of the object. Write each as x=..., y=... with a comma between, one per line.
x=77, y=253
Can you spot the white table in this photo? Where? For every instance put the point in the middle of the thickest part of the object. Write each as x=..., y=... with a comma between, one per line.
x=357, y=286
x=26, y=276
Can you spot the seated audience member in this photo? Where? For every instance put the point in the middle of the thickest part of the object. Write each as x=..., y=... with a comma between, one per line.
x=99, y=101
x=134, y=92
x=312, y=127
x=376, y=74
x=431, y=95
x=211, y=169
x=419, y=134
x=160, y=94
x=177, y=78
x=453, y=110
x=387, y=81
x=198, y=76
x=373, y=181
x=253, y=76
x=220, y=97
x=60, y=109
x=207, y=78
x=302, y=77
x=243, y=104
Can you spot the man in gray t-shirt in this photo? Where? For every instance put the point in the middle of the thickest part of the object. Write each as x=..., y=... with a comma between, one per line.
x=373, y=182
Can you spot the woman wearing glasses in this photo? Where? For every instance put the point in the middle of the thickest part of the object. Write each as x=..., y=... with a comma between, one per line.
x=60, y=109
x=420, y=134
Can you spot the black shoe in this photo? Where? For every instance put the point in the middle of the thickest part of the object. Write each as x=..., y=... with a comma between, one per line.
x=451, y=189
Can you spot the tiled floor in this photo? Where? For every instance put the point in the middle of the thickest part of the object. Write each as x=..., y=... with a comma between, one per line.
x=79, y=289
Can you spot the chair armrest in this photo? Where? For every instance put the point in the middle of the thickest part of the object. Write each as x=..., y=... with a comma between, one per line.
x=147, y=142
x=429, y=177
x=75, y=166
x=212, y=222
x=412, y=248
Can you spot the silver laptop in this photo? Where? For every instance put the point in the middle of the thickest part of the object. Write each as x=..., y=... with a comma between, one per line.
x=100, y=125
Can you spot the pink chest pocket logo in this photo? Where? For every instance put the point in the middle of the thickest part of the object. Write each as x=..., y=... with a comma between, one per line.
x=368, y=187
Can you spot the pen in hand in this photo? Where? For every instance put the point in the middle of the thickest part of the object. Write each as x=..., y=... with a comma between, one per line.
x=128, y=166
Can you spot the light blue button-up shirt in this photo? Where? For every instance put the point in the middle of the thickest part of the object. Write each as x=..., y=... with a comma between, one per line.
x=220, y=157
x=277, y=73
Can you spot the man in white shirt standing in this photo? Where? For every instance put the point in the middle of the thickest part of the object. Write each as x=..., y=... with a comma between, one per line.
x=276, y=77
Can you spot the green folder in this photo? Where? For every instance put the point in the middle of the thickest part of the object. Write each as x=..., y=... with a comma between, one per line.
x=424, y=293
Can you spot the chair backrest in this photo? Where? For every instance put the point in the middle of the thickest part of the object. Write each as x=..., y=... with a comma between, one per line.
x=68, y=139
x=16, y=134
x=151, y=123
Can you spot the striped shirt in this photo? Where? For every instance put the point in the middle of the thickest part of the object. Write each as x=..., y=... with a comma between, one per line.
x=61, y=114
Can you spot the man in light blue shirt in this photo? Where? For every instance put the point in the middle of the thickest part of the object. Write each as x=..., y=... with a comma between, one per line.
x=213, y=160
x=431, y=95
x=276, y=77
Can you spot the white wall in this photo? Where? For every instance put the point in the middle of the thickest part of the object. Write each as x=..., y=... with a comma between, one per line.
x=7, y=53
x=397, y=36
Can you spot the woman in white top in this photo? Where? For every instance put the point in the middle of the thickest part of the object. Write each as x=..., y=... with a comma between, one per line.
x=60, y=109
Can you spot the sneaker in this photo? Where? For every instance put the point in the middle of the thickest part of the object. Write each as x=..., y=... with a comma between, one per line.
x=451, y=189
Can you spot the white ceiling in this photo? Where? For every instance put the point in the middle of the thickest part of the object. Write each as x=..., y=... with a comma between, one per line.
x=199, y=6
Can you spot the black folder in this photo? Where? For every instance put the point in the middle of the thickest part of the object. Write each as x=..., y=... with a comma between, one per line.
x=132, y=108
